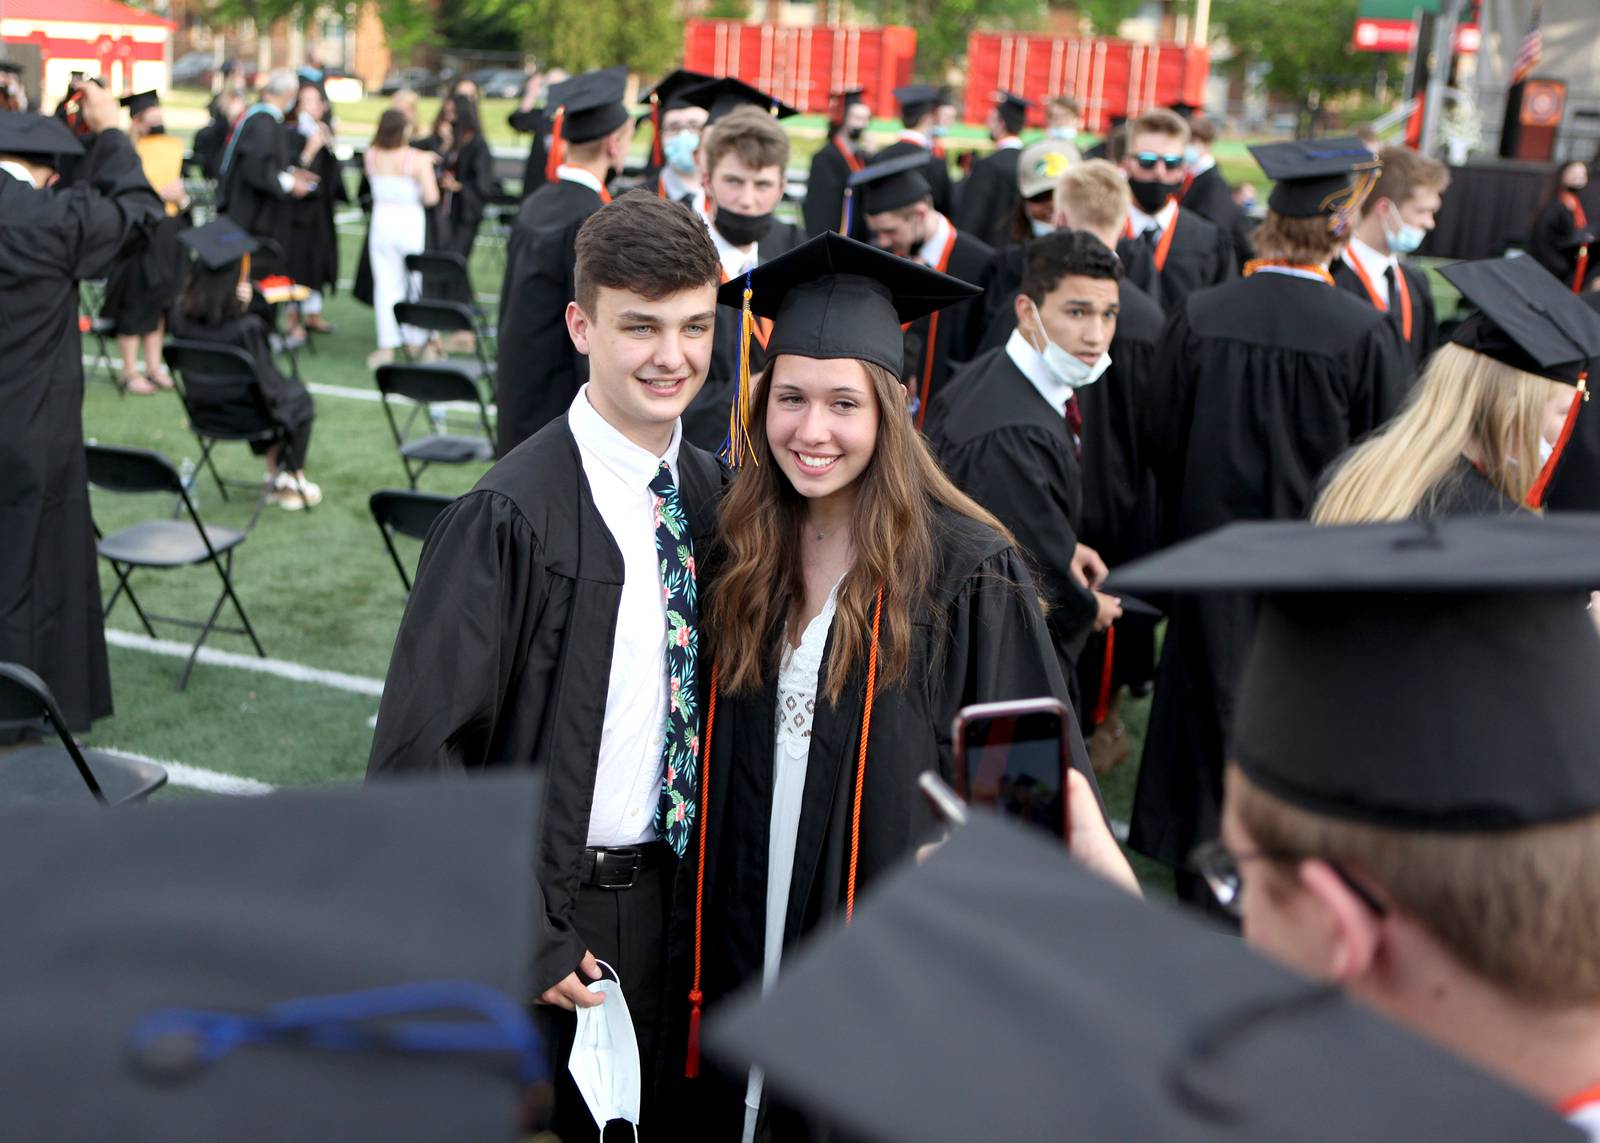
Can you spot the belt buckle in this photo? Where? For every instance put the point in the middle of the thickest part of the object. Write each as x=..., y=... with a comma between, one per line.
x=618, y=864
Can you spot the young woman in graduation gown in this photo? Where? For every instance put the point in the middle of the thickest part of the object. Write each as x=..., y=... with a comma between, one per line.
x=1481, y=434
x=466, y=176
x=1559, y=240
x=858, y=601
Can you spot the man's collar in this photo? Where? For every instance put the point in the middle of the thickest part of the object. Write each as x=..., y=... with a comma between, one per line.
x=1371, y=260
x=930, y=250
x=633, y=465
x=18, y=172
x=1008, y=143
x=568, y=173
x=907, y=135
x=1030, y=363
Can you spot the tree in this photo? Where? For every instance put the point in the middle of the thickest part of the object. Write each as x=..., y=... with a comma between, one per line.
x=1305, y=44
x=582, y=34
x=1106, y=16
x=944, y=25
x=406, y=23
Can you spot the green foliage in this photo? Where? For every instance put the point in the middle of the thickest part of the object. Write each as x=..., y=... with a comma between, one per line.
x=944, y=25
x=1106, y=16
x=582, y=34
x=1304, y=43
x=728, y=10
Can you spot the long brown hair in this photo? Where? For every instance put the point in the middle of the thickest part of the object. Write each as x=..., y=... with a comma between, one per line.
x=760, y=578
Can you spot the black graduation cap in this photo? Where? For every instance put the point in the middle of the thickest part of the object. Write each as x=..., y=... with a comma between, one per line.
x=893, y=184
x=1439, y=674
x=1313, y=176
x=848, y=96
x=1526, y=318
x=31, y=135
x=669, y=93
x=1016, y=105
x=282, y=968
x=219, y=243
x=140, y=101
x=999, y=991
x=10, y=68
x=590, y=104
x=1184, y=109
x=721, y=96
x=916, y=100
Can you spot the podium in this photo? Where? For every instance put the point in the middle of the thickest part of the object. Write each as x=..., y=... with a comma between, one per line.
x=1534, y=110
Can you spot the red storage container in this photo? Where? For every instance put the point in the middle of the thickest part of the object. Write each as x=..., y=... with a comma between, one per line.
x=801, y=66
x=1106, y=76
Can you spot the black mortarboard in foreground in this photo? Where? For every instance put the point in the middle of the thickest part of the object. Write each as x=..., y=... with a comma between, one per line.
x=670, y=91
x=1314, y=176
x=727, y=94
x=892, y=185
x=31, y=135
x=1440, y=675
x=1526, y=318
x=219, y=243
x=834, y=297
x=217, y=969
x=916, y=100
x=140, y=101
x=999, y=991
x=590, y=104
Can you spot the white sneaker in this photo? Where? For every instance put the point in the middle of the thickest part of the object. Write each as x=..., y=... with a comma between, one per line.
x=292, y=495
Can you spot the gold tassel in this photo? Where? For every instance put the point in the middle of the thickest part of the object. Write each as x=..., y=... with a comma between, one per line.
x=737, y=447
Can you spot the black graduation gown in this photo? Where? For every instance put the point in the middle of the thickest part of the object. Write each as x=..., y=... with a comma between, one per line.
x=825, y=185
x=705, y=421
x=503, y=657
x=288, y=402
x=1466, y=491
x=1210, y=196
x=938, y=173
x=989, y=197
x=209, y=142
x=1257, y=386
x=1551, y=241
x=983, y=639
x=960, y=326
x=50, y=618
x=313, y=237
x=1201, y=255
x=1575, y=487
x=539, y=370
x=1011, y=452
x=531, y=123
x=249, y=192
x=1424, y=320
x=143, y=286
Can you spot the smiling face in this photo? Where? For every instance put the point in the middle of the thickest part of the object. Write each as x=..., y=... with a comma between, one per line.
x=647, y=357
x=822, y=424
x=1079, y=315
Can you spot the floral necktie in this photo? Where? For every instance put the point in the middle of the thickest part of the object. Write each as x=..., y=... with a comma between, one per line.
x=680, y=745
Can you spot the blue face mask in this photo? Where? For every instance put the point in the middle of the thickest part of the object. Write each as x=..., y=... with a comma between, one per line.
x=938, y=131
x=1403, y=239
x=1040, y=229
x=679, y=151
x=1191, y=156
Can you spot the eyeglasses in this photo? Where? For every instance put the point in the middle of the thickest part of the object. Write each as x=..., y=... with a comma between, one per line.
x=1220, y=869
x=1147, y=160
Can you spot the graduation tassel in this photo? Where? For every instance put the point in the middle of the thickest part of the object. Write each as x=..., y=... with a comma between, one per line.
x=691, y=1058
x=655, y=123
x=736, y=447
x=558, y=145
x=845, y=219
x=1547, y=473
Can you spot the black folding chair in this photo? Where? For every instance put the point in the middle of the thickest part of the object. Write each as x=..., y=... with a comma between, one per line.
x=446, y=271
x=164, y=544
x=428, y=385
x=91, y=300
x=444, y=318
x=222, y=394
x=44, y=773
x=407, y=513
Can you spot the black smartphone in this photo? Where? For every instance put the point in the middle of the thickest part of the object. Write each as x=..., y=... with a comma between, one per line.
x=1013, y=757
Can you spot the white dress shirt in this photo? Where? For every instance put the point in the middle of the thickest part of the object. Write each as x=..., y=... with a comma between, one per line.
x=1376, y=266
x=1009, y=143
x=928, y=253
x=570, y=174
x=627, y=785
x=678, y=187
x=1141, y=222
x=1028, y=360
x=735, y=261
x=19, y=172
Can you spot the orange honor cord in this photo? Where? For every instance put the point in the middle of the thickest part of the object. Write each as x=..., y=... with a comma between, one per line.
x=1299, y=269
x=929, y=351
x=1163, y=246
x=851, y=159
x=558, y=145
x=861, y=763
x=1580, y=221
x=1547, y=473
x=1102, y=701
x=691, y=1062
x=1377, y=298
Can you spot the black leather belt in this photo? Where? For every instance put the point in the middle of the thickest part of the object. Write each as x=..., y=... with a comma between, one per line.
x=620, y=868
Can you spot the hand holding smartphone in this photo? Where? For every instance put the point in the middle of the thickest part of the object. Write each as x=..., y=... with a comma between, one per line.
x=1015, y=758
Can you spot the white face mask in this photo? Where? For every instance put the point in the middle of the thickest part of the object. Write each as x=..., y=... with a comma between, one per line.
x=1068, y=369
x=1546, y=451
x=1403, y=239
x=605, y=1057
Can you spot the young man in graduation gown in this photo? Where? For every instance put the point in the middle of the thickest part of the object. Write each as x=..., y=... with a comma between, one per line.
x=53, y=237
x=1414, y=867
x=1008, y=428
x=1207, y=193
x=898, y=204
x=1185, y=252
x=746, y=155
x=676, y=126
x=919, y=112
x=831, y=167
x=1258, y=385
x=538, y=370
x=1396, y=218
x=989, y=193
x=259, y=176
x=553, y=625
x=528, y=119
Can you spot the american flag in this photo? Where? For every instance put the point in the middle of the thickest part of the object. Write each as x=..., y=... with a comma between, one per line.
x=1532, y=49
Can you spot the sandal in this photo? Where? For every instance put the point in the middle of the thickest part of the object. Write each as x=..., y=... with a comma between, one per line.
x=138, y=385
x=160, y=378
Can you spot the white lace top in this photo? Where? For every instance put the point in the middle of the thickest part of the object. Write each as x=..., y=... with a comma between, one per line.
x=797, y=704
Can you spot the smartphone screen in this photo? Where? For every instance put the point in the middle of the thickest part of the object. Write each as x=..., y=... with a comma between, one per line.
x=1013, y=757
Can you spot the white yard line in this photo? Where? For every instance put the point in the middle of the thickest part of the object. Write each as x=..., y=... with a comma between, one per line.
x=198, y=777
x=295, y=672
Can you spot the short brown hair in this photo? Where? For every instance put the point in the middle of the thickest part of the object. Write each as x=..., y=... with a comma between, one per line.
x=1095, y=194
x=1158, y=121
x=1064, y=103
x=1203, y=129
x=1295, y=239
x=1520, y=908
x=1404, y=172
x=751, y=134
x=645, y=245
